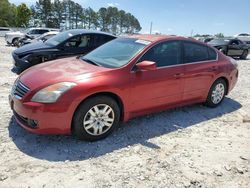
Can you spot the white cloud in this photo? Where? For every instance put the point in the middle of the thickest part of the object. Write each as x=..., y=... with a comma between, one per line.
x=113, y=4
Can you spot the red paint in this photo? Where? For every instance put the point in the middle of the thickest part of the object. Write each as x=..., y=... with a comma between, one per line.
x=144, y=91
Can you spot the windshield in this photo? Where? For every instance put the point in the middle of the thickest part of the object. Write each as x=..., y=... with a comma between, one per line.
x=116, y=53
x=54, y=41
x=219, y=41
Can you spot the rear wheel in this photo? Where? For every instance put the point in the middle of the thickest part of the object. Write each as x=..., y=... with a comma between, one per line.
x=244, y=55
x=216, y=93
x=96, y=118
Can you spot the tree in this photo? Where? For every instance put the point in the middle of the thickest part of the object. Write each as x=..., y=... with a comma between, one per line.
x=103, y=19
x=219, y=35
x=23, y=15
x=7, y=14
x=43, y=11
x=91, y=18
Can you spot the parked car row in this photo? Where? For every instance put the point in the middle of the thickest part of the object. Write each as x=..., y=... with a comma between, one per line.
x=108, y=82
x=231, y=47
x=12, y=38
x=65, y=44
x=27, y=39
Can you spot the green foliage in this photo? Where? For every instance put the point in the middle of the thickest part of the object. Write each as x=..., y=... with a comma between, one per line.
x=23, y=15
x=66, y=12
x=219, y=35
x=7, y=14
x=72, y=15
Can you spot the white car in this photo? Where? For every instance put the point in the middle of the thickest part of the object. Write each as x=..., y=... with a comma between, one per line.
x=244, y=37
x=4, y=30
x=13, y=37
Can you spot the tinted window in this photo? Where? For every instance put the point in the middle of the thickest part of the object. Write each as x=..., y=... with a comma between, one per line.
x=212, y=55
x=98, y=39
x=195, y=52
x=79, y=41
x=42, y=31
x=59, y=38
x=164, y=54
x=234, y=42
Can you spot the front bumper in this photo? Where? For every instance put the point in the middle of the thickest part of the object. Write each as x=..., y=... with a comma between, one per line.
x=50, y=118
x=19, y=65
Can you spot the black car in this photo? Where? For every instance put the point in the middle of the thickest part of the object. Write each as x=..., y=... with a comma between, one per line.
x=231, y=47
x=67, y=43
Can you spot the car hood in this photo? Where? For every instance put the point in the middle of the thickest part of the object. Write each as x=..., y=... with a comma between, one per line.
x=32, y=47
x=61, y=70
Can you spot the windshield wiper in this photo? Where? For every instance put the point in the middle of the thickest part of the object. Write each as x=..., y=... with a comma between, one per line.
x=90, y=61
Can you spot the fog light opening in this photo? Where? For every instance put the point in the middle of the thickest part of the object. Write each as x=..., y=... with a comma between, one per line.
x=33, y=123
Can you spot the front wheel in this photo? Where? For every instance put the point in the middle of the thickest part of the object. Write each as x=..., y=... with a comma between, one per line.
x=96, y=118
x=216, y=93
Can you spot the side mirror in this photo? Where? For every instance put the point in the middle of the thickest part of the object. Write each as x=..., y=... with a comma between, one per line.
x=146, y=65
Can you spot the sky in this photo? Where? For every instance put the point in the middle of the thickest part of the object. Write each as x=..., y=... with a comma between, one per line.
x=180, y=17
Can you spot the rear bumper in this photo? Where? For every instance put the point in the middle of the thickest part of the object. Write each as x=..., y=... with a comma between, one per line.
x=233, y=79
x=50, y=118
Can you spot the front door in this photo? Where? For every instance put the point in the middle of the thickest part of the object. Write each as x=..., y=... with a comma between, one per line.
x=160, y=87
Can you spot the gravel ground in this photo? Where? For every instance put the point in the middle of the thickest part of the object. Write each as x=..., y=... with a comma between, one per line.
x=188, y=147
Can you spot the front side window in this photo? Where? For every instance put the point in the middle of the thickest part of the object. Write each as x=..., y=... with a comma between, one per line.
x=195, y=52
x=79, y=41
x=164, y=54
x=59, y=38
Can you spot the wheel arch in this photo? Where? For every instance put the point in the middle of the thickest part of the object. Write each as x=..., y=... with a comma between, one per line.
x=226, y=80
x=112, y=95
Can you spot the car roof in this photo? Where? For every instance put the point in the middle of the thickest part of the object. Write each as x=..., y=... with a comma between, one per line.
x=156, y=38
x=85, y=31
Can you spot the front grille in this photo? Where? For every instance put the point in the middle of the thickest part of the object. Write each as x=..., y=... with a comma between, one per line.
x=19, y=89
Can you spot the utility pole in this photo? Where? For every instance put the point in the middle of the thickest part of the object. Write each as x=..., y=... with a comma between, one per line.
x=151, y=25
x=192, y=31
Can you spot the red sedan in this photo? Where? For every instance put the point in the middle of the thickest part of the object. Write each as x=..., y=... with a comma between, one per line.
x=122, y=79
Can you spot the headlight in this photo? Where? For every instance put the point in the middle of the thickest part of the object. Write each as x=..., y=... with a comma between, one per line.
x=51, y=93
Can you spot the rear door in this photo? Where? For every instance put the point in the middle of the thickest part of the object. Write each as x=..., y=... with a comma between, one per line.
x=200, y=66
x=160, y=87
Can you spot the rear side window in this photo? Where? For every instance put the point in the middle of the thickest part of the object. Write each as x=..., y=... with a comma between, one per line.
x=212, y=55
x=42, y=31
x=195, y=52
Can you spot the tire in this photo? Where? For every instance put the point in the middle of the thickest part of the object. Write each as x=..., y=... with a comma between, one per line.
x=244, y=55
x=90, y=124
x=15, y=42
x=216, y=93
